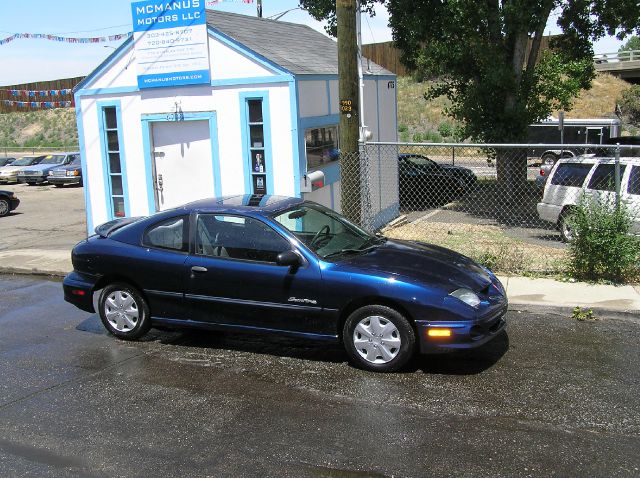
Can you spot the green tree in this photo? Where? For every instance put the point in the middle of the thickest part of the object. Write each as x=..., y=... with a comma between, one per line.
x=485, y=57
x=633, y=44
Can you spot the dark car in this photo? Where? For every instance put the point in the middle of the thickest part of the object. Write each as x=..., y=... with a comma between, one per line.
x=6, y=161
x=285, y=266
x=423, y=182
x=8, y=202
x=69, y=174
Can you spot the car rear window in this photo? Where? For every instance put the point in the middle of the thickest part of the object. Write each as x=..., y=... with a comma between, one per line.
x=634, y=181
x=603, y=178
x=571, y=174
x=168, y=234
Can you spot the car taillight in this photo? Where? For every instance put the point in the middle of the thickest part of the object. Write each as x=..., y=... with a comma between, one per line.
x=541, y=172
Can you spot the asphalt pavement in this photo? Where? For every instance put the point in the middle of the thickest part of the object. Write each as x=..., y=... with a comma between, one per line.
x=552, y=396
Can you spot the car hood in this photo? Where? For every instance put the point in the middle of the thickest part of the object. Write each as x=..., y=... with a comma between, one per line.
x=41, y=167
x=13, y=168
x=68, y=167
x=423, y=263
x=453, y=168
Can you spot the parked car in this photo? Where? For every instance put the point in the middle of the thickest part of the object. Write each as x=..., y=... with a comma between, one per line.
x=285, y=266
x=543, y=175
x=39, y=173
x=68, y=174
x=423, y=182
x=8, y=202
x=6, y=161
x=9, y=173
x=593, y=177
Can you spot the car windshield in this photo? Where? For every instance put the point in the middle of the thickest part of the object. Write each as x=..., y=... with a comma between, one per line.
x=76, y=162
x=26, y=161
x=53, y=159
x=420, y=160
x=326, y=232
x=5, y=161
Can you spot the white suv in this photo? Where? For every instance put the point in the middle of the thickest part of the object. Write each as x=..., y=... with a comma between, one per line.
x=572, y=178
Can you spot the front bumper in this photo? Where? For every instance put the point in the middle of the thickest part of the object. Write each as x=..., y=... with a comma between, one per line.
x=78, y=290
x=65, y=179
x=466, y=334
x=13, y=204
x=8, y=179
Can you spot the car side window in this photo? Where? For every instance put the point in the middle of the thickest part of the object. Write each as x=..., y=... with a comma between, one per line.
x=634, y=181
x=172, y=234
x=603, y=178
x=238, y=237
x=571, y=174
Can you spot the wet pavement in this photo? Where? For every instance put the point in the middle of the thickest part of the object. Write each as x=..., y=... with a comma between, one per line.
x=554, y=396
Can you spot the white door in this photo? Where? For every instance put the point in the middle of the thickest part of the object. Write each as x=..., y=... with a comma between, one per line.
x=183, y=169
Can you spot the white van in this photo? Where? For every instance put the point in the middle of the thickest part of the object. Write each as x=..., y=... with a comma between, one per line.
x=572, y=178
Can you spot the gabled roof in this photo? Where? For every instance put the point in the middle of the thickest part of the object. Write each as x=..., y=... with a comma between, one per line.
x=299, y=49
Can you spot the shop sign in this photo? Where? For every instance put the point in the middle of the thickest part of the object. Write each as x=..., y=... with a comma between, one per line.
x=171, y=43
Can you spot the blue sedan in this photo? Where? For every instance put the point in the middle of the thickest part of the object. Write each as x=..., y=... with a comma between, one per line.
x=286, y=266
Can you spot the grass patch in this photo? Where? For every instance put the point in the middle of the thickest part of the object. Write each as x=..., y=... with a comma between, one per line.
x=488, y=245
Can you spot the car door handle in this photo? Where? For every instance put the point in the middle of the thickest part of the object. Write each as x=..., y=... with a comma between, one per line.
x=198, y=269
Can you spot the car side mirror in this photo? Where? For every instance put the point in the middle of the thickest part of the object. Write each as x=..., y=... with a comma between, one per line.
x=288, y=258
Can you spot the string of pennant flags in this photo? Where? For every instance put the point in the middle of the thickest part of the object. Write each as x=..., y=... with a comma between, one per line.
x=34, y=93
x=45, y=36
x=39, y=104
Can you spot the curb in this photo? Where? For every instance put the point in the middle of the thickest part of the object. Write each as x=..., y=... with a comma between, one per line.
x=33, y=272
x=567, y=311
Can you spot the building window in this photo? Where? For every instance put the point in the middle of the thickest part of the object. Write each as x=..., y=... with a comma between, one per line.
x=257, y=146
x=321, y=145
x=114, y=163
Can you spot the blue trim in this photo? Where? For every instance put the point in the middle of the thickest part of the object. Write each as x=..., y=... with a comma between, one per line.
x=331, y=172
x=107, y=91
x=378, y=139
x=256, y=80
x=316, y=121
x=101, y=105
x=85, y=171
x=105, y=65
x=242, y=49
x=332, y=192
x=148, y=119
x=295, y=140
x=266, y=128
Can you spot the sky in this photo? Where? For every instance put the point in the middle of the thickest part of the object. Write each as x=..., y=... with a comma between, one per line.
x=29, y=60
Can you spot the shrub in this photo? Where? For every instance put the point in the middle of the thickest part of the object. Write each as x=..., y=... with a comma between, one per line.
x=402, y=128
x=417, y=138
x=630, y=104
x=445, y=129
x=602, y=248
x=432, y=137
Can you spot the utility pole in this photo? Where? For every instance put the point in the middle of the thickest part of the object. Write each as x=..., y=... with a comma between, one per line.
x=259, y=6
x=348, y=91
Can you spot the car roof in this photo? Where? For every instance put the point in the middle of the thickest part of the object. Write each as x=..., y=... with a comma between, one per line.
x=590, y=159
x=262, y=204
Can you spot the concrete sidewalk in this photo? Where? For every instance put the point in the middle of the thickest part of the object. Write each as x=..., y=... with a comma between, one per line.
x=522, y=291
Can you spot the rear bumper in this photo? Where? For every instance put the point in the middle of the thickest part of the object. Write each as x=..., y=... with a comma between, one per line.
x=465, y=334
x=78, y=290
x=13, y=204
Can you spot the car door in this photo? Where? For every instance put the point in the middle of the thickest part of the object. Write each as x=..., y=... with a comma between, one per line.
x=233, y=278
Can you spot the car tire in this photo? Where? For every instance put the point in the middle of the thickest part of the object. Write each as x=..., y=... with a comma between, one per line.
x=566, y=232
x=549, y=159
x=365, y=332
x=123, y=311
x=5, y=207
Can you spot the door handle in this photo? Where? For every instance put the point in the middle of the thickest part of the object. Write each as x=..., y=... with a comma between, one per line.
x=198, y=269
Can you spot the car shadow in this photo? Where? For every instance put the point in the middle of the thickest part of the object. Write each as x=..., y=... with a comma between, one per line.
x=462, y=362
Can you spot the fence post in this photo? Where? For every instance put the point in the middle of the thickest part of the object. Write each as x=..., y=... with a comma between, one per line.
x=617, y=176
x=453, y=155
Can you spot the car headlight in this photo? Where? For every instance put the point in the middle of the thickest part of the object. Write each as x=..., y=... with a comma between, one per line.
x=74, y=172
x=467, y=296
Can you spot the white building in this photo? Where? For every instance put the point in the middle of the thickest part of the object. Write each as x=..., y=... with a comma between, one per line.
x=268, y=117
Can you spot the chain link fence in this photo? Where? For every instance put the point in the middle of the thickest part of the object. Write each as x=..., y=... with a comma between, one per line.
x=19, y=151
x=500, y=204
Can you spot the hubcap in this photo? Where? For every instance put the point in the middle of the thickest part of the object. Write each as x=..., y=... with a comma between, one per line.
x=376, y=339
x=4, y=207
x=121, y=311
